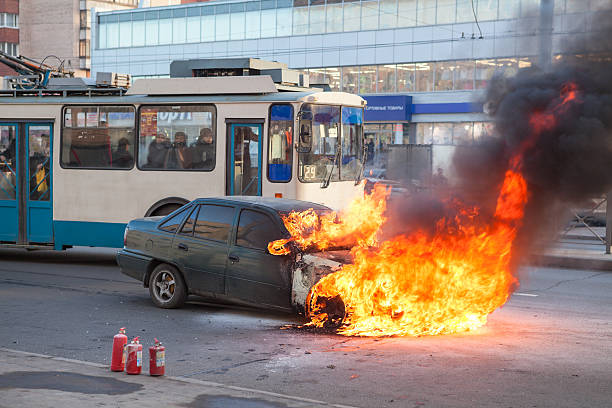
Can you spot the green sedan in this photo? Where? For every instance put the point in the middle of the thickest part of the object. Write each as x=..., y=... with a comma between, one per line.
x=217, y=248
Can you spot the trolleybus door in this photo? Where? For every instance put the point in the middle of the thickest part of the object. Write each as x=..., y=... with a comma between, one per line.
x=9, y=185
x=25, y=183
x=38, y=185
x=244, y=164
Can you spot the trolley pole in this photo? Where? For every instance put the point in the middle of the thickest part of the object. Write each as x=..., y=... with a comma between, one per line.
x=608, y=221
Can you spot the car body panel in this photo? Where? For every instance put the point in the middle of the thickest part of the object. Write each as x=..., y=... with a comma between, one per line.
x=133, y=264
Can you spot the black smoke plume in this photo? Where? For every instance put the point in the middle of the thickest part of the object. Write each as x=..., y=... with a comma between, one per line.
x=568, y=162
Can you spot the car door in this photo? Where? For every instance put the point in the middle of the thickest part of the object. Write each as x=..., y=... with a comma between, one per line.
x=201, y=247
x=253, y=274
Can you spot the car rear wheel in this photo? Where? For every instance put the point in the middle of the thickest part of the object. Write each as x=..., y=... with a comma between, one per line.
x=167, y=287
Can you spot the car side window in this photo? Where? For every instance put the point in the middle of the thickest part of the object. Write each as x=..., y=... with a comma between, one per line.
x=214, y=222
x=188, y=225
x=172, y=224
x=256, y=230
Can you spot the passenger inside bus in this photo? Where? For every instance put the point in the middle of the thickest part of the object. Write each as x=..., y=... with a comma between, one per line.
x=122, y=156
x=159, y=149
x=203, y=151
x=178, y=155
x=8, y=155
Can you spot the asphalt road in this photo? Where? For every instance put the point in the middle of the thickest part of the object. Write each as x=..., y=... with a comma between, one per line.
x=550, y=346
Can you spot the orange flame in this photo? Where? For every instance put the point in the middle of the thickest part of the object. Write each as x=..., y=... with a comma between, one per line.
x=421, y=284
x=358, y=225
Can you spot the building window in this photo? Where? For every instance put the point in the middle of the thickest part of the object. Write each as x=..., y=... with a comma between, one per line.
x=283, y=22
x=98, y=137
x=464, y=75
x=424, y=76
x=10, y=48
x=484, y=71
x=426, y=13
x=367, y=79
x=334, y=16
x=446, y=12
x=452, y=133
x=84, y=48
x=369, y=15
x=300, y=20
x=84, y=18
x=352, y=15
x=350, y=75
x=333, y=76
x=9, y=20
x=444, y=76
x=388, y=14
x=406, y=11
x=405, y=78
x=268, y=19
x=386, y=79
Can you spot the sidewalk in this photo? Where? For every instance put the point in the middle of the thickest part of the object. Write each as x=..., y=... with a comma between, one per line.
x=36, y=380
x=578, y=249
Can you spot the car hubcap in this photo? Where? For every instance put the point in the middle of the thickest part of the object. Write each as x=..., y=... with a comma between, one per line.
x=165, y=286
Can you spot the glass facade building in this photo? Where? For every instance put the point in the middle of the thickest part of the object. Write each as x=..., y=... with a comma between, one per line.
x=441, y=52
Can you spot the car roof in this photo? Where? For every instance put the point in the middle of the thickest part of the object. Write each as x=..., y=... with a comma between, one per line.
x=281, y=205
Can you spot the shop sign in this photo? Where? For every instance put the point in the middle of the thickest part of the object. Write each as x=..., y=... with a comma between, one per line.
x=388, y=108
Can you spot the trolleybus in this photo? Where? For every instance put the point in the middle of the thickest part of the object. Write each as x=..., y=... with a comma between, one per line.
x=76, y=164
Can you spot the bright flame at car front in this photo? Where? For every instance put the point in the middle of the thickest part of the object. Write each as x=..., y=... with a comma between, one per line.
x=419, y=284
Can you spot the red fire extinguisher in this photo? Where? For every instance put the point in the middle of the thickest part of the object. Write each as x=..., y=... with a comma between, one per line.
x=157, y=359
x=134, y=357
x=118, y=356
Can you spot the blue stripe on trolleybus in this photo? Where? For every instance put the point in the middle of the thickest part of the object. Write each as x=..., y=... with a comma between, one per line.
x=82, y=233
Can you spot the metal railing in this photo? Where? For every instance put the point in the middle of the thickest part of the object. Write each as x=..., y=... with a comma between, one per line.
x=583, y=216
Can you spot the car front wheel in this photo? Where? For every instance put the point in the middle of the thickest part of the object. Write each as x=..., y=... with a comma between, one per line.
x=167, y=287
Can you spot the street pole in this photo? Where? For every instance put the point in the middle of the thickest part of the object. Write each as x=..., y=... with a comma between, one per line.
x=546, y=29
x=608, y=221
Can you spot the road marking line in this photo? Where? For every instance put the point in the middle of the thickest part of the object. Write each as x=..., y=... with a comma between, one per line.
x=526, y=294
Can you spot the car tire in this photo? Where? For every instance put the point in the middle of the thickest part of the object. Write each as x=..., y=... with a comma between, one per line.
x=167, y=287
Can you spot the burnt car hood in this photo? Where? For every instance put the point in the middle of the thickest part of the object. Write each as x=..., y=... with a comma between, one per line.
x=310, y=267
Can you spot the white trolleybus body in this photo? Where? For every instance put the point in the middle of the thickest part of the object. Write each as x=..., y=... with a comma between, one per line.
x=76, y=166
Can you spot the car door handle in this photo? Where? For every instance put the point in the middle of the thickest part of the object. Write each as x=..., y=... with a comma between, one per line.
x=234, y=259
x=183, y=247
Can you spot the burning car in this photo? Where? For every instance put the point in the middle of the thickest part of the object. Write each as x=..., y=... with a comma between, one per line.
x=218, y=248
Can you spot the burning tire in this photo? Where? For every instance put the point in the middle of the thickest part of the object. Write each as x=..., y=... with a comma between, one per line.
x=325, y=312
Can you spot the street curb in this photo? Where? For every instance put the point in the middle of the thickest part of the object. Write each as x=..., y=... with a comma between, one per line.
x=182, y=379
x=557, y=261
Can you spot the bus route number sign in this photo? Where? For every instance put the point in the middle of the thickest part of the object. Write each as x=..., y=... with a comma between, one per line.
x=310, y=172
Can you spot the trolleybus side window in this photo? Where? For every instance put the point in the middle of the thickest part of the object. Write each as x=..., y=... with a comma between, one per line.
x=98, y=137
x=177, y=137
x=280, y=143
x=352, y=143
x=318, y=159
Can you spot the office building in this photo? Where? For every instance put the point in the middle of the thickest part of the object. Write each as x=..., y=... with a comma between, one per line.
x=421, y=64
